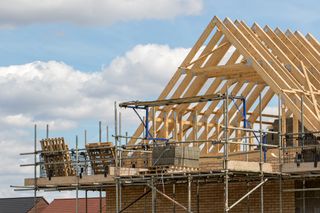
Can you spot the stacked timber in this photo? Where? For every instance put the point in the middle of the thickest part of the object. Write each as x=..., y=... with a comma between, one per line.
x=56, y=157
x=101, y=156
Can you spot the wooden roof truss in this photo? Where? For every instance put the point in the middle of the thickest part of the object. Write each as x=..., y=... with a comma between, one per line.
x=248, y=61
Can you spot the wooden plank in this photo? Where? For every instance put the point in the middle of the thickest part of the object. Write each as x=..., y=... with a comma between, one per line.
x=306, y=44
x=265, y=70
x=269, y=59
x=254, y=95
x=295, y=129
x=70, y=181
x=198, y=82
x=218, y=114
x=213, y=104
x=56, y=157
x=310, y=62
x=314, y=42
x=287, y=59
x=177, y=74
x=222, y=70
x=313, y=58
x=314, y=100
x=184, y=84
x=101, y=156
x=206, y=55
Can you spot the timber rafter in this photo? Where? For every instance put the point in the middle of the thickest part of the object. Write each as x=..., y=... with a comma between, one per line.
x=248, y=61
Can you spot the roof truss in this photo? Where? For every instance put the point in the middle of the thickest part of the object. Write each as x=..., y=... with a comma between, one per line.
x=247, y=61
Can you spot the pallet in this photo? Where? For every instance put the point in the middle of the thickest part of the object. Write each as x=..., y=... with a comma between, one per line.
x=101, y=156
x=56, y=157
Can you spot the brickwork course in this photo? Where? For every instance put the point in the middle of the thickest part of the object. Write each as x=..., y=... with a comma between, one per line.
x=210, y=197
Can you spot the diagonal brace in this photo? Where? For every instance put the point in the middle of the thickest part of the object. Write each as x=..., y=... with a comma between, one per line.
x=136, y=200
x=246, y=195
x=169, y=198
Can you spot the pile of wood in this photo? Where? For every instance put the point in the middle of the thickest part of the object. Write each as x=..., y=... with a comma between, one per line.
x=101, y=156
x=56, y=157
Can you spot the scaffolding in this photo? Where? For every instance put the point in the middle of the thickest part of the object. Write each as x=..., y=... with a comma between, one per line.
x=151, y=178
x=256, y=63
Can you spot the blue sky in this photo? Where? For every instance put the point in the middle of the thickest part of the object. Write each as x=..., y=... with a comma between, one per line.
x=65, y=63
x=89, y=47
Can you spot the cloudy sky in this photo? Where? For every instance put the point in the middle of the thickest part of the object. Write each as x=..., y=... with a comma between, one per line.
x=64, y=63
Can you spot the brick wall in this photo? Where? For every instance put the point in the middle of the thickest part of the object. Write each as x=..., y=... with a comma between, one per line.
x=211, y=198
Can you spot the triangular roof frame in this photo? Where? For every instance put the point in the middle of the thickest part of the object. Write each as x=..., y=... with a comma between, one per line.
x=247, y=61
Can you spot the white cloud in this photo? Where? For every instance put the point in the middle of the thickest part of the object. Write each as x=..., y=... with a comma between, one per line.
x=53, y=91
x=96, y=12
x=65, y=98
x=20, y=120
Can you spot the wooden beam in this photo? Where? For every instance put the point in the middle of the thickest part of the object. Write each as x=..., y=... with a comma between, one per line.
x=278, y=48
x=213, y=41
x=313, y=41
x=265, y=70
x=314, y=100
x=222, y=70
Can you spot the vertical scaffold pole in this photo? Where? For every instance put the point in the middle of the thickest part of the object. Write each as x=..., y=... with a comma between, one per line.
x=147, y=122
x=302, y=121
x=174, y=197
x=77, y=175
x=261, y=148
x=244, y=114
x=120, y=161
x=303, y=196
x=126, y=138
x=303, y=138
x=47, y=131
x=85, y=145
x=85, y=137
x=100, y=132
x=116, y=151
x=153, y=196
x=198, y=196
x=154, y=123
x=226, y=147
x=280, y=151
x=189, y=193
x=35, y=169
x=100, y=200
x=86, y=195
x=119, y=131
x=107, y=133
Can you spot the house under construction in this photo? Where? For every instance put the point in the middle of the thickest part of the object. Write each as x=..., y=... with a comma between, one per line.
x=236, y=129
